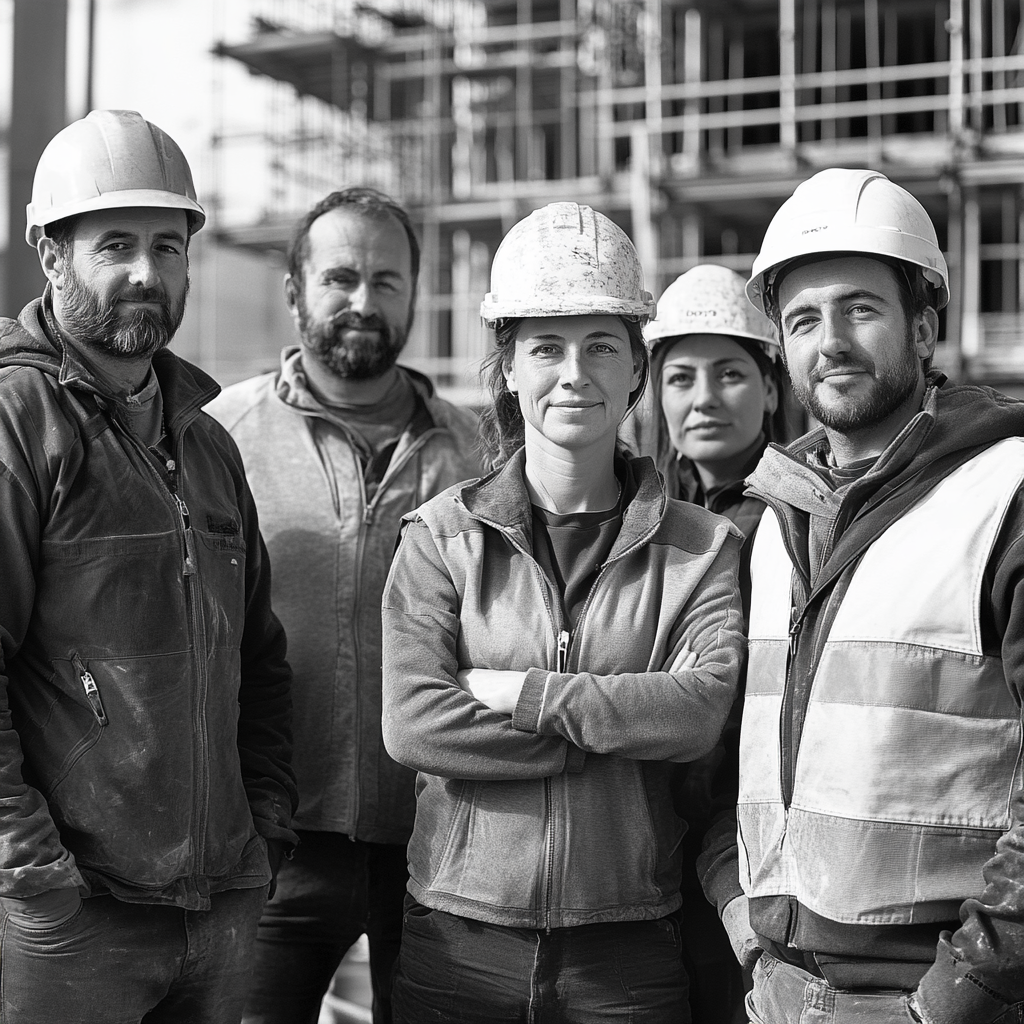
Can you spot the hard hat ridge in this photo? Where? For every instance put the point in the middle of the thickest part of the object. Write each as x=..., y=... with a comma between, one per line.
x=566, y=259
x=110, y=159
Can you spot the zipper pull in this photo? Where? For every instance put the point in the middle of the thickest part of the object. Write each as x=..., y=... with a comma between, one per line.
x=794, y=633
x=92, y=694
x=186, y=524
x=563, y=650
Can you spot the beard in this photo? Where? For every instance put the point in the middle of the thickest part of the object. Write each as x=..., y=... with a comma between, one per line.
x=355, y=358
x=126, y=334
x=892, y=387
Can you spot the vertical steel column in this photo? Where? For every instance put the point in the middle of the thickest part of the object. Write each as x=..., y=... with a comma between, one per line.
x=787, y=74
x=37, y=114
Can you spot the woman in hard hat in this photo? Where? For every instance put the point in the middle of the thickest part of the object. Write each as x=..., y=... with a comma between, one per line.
x=556, y=635
x=717, y=388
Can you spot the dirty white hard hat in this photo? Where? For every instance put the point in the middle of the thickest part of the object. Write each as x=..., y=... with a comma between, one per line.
x=110, y=159
x=709, y=299
x=566, y=260
x=839, y=210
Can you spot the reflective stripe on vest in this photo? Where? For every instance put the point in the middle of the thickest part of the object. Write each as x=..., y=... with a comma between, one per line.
x=911, y=747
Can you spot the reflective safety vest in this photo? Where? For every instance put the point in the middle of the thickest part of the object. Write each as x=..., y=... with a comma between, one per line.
x=911, y=745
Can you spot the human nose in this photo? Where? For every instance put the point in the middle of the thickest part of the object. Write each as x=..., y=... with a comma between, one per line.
x=143, y=271
x=360, y=300
x=834, y=338
x=573, y=372
x=705, y=394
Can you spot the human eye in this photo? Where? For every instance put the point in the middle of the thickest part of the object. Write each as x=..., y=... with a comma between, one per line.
x=679, y=379
x=543, y=348
x=732, y=375
x=339, y=279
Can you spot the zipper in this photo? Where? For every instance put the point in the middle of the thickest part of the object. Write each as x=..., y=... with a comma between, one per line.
x=563, y=650
x=186, y=528
x=92, y=691
x=549, y=852
x=196, y=637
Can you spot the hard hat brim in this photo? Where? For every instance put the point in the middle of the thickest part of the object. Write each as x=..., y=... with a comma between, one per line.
x=120, y=200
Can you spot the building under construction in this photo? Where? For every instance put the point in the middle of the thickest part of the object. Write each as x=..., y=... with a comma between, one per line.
x=688, y=122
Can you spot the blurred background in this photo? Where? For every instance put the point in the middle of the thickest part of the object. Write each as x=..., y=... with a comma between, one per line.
x=687, y=121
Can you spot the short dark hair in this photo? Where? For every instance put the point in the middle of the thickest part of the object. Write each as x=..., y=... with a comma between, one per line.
x=502, y=430
x=366, y=201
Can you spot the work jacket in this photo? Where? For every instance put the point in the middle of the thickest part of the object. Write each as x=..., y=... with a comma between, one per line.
x=881, y=767
x=331, y=548
x=729, y=500
x=561, y=814
x=144, y=734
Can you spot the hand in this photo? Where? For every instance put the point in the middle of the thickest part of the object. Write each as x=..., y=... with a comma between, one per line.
x=275, y=854
x=47, y=910
x=497, y=688
x=685, y=659
x=736, y=919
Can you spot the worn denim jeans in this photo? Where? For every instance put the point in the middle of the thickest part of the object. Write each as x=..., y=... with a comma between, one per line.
x=333, y=891
x=454, y=970
x=784, y=994
x=126, y=963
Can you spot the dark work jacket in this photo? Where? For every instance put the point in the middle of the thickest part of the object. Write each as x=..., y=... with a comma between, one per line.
x=144, y=692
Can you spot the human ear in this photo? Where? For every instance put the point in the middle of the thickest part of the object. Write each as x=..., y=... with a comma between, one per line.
x=771, y=396
x=50, y=260
x=926, y=333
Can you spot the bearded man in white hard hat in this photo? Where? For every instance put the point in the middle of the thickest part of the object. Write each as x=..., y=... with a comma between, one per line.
x=880, y=859
x=145, y=736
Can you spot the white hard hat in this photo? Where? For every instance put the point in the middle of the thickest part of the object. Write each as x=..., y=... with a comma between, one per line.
x=566, y=260
x=849, y=211
x=710, y=299
x=110, y=159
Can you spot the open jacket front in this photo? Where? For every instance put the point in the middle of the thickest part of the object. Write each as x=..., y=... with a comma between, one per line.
x=561, y=814
x=881, y=797
x=144, y=727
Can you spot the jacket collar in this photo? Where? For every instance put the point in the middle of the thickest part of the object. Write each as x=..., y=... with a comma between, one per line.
x=293, y=385
x=32, y=341
x=501, y=500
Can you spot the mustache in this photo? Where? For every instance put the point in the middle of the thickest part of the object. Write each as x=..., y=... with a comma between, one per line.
x=347, y=320
x=141, y=294
x=839, y=365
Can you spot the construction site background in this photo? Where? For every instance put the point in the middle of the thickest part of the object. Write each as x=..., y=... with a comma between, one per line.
x=686, y=122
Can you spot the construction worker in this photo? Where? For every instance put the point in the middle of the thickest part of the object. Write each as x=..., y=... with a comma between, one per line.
x=338, y=445
x=879, y=872
x=145, y=737
x=718, y=387
x=555, y=636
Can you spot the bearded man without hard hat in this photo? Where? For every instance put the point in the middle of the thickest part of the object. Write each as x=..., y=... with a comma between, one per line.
x=145, y=790
x=339, y=444
x=880, y=857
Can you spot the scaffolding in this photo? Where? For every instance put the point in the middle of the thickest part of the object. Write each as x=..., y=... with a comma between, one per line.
x=686, y=122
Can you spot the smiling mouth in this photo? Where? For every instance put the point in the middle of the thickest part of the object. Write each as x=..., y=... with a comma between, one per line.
x=708, y=425
x=575, y=405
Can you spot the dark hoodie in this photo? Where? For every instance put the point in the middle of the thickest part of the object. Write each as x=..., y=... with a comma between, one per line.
x=977, y=972
x=144, y=693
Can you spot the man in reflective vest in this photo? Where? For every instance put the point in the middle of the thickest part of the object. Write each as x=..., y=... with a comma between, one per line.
x=877, y=873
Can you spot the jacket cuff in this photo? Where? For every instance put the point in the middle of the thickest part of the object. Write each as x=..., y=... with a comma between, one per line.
x=950, y=994
x=526, y=716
